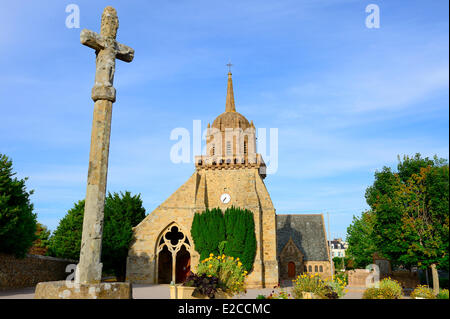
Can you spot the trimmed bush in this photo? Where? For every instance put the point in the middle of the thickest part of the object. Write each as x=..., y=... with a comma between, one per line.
x=233, y=232
x=208, y=231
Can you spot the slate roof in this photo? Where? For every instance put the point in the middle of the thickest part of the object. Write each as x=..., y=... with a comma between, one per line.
x=307, y=232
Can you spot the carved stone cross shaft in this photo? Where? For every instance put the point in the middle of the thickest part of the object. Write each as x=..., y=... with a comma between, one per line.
x=107, y=49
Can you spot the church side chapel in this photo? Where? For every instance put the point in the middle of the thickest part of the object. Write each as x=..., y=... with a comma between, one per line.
x=231, y=174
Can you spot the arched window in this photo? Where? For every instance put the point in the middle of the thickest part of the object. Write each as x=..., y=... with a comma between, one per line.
x=306, y=269
x=228, y=148
x=245, y=147
x=310, y=268
x=321, y=268
x=173, y=255
x=316, y=268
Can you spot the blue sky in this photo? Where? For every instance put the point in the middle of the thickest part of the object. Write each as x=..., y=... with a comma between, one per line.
x=346, y=99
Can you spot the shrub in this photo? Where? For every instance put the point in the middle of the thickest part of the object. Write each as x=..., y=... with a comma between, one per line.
x=388, y=289
x=240, y=234
x=443, y=294
x=372, y=293
x=229, y=271
x=208, y=231
x=234, y=230
x=423, y=291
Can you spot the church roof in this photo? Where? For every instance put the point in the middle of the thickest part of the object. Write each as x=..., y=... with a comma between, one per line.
x=230, y=118
x=307, y=232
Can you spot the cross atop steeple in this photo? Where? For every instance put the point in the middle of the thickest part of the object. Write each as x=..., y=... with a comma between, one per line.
x=229, y=65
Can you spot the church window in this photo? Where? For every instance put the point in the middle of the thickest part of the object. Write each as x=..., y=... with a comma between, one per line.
x=310, y=268
x=321, y=268
x=316, y=269
x=306, y=269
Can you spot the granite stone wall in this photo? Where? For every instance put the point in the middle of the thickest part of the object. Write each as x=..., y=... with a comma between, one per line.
x=28, y=271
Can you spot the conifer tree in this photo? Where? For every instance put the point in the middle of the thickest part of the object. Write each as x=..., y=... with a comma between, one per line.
x=17, y=220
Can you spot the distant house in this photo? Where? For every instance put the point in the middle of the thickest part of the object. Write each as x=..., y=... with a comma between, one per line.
x=337, y=247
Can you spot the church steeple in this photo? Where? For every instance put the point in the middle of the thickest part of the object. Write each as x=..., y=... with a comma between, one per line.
x=229, y=106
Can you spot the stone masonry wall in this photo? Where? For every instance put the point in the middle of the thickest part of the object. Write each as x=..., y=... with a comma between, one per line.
x=28, y=271
x=203, y=190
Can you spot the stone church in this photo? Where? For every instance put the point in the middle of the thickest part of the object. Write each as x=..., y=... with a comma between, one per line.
x=231, y=173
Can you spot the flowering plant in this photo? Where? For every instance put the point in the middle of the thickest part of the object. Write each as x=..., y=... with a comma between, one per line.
x=326, y=289
x=423, y=291
x=229, y=271
x=388, y=289
x=307, y=283
x=338, y=284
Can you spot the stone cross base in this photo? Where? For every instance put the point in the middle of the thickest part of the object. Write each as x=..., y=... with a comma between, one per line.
x=70, y=290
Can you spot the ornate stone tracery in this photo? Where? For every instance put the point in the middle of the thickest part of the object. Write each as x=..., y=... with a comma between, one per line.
x=174, y=240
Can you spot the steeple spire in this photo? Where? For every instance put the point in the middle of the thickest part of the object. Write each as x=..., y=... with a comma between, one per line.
x=229, y=106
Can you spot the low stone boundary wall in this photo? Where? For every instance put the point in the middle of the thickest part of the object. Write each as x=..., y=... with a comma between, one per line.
x=357, y=277
x=28, y=271
x=408, y=279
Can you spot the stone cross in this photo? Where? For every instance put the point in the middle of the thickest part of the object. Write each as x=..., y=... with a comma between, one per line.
x=107, y=49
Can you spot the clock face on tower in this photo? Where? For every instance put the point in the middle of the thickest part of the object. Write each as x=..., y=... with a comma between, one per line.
x=225, y=198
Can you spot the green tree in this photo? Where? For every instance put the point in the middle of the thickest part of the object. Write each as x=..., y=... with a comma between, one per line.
x=240, y=235
x=208, y=231
x=360, y=241
x=17, y=220
x=234, y=229
x=65, y=241
x=40, y=245
x=122, y=212
x=426, y=220
x=411, y=211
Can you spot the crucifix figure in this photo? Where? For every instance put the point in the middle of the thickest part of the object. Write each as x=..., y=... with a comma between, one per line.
x=107, y=49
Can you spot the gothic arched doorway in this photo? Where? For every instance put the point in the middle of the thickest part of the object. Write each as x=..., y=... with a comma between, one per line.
x=183, y=264
x=291, y=269
x=174, y=255
x=164, y=266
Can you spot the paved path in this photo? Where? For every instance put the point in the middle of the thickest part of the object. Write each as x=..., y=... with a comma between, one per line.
x=140, y=291
x=144, y=291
